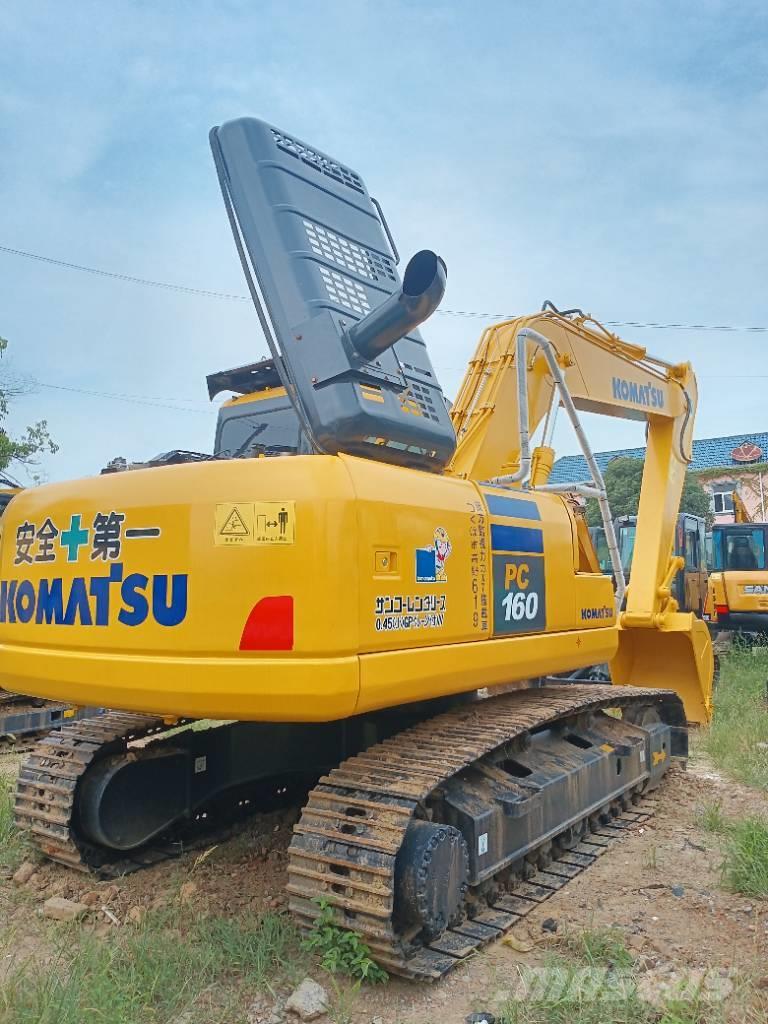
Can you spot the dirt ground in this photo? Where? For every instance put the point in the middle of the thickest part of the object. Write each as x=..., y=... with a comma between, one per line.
x=660, y=887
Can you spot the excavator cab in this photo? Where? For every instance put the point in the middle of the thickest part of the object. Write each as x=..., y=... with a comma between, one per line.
x=689, y=586
x=737, y=596
x=600, y=544
x=260, y=419
x=740, y=547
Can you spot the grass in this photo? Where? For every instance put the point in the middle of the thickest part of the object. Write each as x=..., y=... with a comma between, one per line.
x=710, y=817
x=740, y=721
x=599, y=947
x=595, y=983
x=167, y=970
x=651, y=858
x=745, y=849
x=575, y=1009
x=745, y=866
x=13, y=846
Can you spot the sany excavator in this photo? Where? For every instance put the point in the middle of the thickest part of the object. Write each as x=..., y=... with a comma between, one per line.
x=737, y=591
x=341, y=593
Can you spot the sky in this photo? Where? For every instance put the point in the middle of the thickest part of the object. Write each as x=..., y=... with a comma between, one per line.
x=610, y=156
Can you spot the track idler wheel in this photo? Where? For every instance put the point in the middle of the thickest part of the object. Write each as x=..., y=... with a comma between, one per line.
x=431, y=875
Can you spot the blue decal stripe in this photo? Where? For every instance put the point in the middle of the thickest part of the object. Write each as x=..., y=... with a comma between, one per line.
x=500, y=505
x=517, y=538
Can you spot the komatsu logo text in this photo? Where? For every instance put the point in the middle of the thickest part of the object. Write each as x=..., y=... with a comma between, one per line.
x=93, y=600
x=640, y=394
x=603, y=612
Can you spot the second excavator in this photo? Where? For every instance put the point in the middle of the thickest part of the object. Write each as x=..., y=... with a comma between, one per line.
x=366, y=591
x=737, y=591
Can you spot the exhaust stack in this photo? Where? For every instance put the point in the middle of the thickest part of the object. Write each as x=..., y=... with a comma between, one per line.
x=422, y=292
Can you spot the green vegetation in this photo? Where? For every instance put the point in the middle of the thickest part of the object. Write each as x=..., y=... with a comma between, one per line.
x=710, y=817
x=600, y=947
x=623, y=478
x=341, y=951
x=573, y=1008
x=745, y=867
x=593, y=981
x=737, y=742
x=165, y=970
x=740, y=722
x=35, y=439
x=12, y=844
x=629, y=1009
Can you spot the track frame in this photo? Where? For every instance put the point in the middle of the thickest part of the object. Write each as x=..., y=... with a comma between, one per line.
x=344, y=854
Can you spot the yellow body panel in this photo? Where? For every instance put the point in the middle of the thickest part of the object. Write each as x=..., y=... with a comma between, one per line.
x=742, y=591
x=370, y=625
x=256, y=396
x=314, y=587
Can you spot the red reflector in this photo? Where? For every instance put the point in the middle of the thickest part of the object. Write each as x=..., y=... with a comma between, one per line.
x=269, y=627
x=721, y=609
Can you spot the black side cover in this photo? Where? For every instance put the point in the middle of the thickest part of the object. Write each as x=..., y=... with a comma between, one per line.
x=320, y=255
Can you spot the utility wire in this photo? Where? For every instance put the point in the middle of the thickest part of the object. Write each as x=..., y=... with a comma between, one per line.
x=160, y=404
x=123, y=277
x=135, y=399
x=207, y=293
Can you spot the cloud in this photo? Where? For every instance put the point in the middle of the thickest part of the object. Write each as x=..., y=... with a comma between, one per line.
x=605, y=156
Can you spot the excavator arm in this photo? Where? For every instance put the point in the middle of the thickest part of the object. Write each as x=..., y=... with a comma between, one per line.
x=740, y=511
x=522, y=371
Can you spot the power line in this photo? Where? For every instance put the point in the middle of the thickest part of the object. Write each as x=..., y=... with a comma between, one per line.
x=229, y=296
x=160, y=404
x=621, y=323
x=135, y=399
x=123, y=277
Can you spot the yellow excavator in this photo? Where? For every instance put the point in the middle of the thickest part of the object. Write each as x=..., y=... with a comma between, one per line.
x=737, y=590
x=367, y=592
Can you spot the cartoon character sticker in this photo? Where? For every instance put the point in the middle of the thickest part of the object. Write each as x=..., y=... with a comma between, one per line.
x=442, y=550
x=430, y=562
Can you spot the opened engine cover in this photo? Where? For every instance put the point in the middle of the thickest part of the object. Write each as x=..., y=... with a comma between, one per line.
x=320, y=255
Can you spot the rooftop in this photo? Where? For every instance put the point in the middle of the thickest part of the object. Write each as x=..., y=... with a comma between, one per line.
x=708, y=453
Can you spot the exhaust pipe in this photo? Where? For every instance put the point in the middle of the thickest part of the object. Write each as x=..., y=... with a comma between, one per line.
x=422, y=292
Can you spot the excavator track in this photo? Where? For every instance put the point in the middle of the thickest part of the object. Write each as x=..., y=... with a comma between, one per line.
x=45, y=800
x=346, y=842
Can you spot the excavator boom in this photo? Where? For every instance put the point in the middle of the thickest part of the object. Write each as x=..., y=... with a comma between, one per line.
x=522, y=370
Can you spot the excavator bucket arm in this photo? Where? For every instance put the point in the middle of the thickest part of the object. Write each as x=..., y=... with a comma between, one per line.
x=522, y=371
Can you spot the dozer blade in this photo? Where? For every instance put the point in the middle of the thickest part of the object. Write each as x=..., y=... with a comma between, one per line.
x=677, y=655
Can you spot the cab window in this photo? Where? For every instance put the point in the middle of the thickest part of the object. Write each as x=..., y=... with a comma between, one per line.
x=627, y=546
x=692, y=554
x=601, y=549
x=741, y=550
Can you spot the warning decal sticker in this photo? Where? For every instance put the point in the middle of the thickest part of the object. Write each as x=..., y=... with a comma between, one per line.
x=234, y=525
x=248, y=523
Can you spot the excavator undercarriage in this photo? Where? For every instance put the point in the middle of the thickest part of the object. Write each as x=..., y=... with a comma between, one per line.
x=430, y=842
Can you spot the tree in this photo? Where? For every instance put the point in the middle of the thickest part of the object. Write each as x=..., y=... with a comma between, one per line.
x=623, y=478
x=34, y=441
